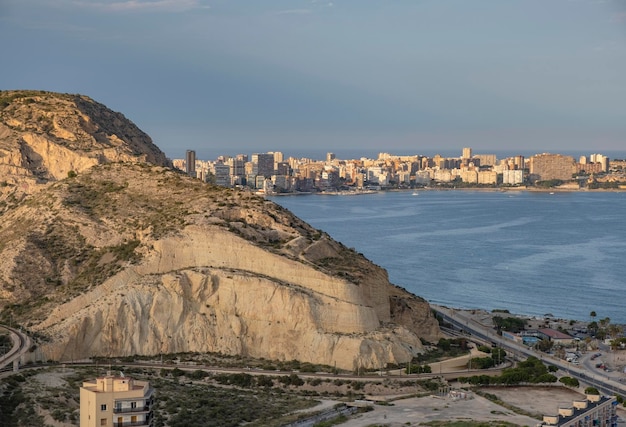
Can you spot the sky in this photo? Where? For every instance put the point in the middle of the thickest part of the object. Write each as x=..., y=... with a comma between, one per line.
x=398, y=76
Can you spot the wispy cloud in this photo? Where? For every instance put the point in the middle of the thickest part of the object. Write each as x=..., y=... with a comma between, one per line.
x=294, y=12
x=619, y=17
x=145, y=5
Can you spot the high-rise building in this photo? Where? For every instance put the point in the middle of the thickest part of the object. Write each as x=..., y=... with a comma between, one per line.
x=486, y=159
x=547, y=166
x=115, y=401
x=263, y=164
x=467, y=153
x=222, y=174
x=278, y=156
x=330, y=157
x=190, y=162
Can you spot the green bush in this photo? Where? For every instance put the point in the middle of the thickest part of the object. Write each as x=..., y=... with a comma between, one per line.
x=569, y=381
x=481, y=363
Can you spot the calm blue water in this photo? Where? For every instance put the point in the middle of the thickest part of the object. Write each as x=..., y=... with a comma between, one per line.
x=531, y=253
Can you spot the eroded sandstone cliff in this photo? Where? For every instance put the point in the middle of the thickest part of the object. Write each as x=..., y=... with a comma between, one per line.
x=133, y=258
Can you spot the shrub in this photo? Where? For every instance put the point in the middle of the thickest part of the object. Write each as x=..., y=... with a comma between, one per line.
x=569, y=381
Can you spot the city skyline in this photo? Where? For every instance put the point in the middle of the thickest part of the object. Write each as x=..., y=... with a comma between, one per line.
x=410, y=77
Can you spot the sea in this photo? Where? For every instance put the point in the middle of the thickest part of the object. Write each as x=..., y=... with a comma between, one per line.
x=535, y=253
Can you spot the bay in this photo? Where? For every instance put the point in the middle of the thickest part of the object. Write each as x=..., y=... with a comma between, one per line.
x=529, y=252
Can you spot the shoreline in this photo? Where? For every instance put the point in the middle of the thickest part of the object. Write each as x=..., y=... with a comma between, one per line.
x=549, y=318
x=430, y=189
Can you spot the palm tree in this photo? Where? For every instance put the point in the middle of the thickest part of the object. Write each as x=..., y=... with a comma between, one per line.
x=614, y=331
x=605, y=322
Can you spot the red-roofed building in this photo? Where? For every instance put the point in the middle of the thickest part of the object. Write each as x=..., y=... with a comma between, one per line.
x=555, y=336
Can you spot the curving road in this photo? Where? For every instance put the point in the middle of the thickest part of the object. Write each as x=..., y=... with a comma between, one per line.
x=604, y=383
x=21, y=345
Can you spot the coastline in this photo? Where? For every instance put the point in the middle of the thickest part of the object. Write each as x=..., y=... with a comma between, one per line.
x=431, y=189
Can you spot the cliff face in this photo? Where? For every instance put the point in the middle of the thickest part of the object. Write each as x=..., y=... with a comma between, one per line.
x=45, y=135
x=130, y=258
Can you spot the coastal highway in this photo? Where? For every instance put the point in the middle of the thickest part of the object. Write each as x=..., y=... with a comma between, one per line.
x=21, y=345
x=604, y=383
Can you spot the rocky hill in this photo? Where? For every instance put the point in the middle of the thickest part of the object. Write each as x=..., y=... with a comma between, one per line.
x=131, y=257
x=45, y=135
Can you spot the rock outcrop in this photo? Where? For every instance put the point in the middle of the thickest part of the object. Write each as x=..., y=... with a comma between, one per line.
x=45, y=135
x=132, y=258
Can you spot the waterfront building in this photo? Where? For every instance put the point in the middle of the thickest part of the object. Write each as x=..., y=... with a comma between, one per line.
x=547, y=166
x=422, y=177
x=116, y=401
x=487, y=177
x=512, y=177
x=557, y=337
x=469, y=176
x=442, y=175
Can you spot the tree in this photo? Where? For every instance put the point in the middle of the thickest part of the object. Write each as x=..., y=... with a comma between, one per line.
x=605, y=322
x=498, y=354
x=544, y=345
x=569, y=381
x=593, y=327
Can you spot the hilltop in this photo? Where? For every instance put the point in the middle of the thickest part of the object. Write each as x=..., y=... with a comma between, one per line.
x=44, y=136
x=116, y=255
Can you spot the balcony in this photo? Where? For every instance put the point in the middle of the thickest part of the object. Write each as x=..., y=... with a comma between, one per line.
x=145, y=423
x=127, y=410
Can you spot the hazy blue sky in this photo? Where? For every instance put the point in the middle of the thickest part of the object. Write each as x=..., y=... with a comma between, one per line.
x=405, y=76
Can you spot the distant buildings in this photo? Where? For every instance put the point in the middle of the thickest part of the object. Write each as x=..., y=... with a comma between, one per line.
x=116, y=401
x=271, y=173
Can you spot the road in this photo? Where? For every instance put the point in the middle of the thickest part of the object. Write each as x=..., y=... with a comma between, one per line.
x=586, y=373
x=21, y=345
x=604, y=383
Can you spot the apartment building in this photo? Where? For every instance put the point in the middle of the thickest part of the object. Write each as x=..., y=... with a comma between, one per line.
x=116, y=401
x=594, y=411
x=547, y=166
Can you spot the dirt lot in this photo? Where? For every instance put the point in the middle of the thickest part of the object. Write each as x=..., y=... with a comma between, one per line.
x=415, y=411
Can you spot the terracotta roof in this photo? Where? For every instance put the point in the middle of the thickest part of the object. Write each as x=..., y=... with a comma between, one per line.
x=554, y=334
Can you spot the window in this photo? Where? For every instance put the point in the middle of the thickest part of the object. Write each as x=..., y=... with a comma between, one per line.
x=103, y=407
x=133, y=405
x=103, y=421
